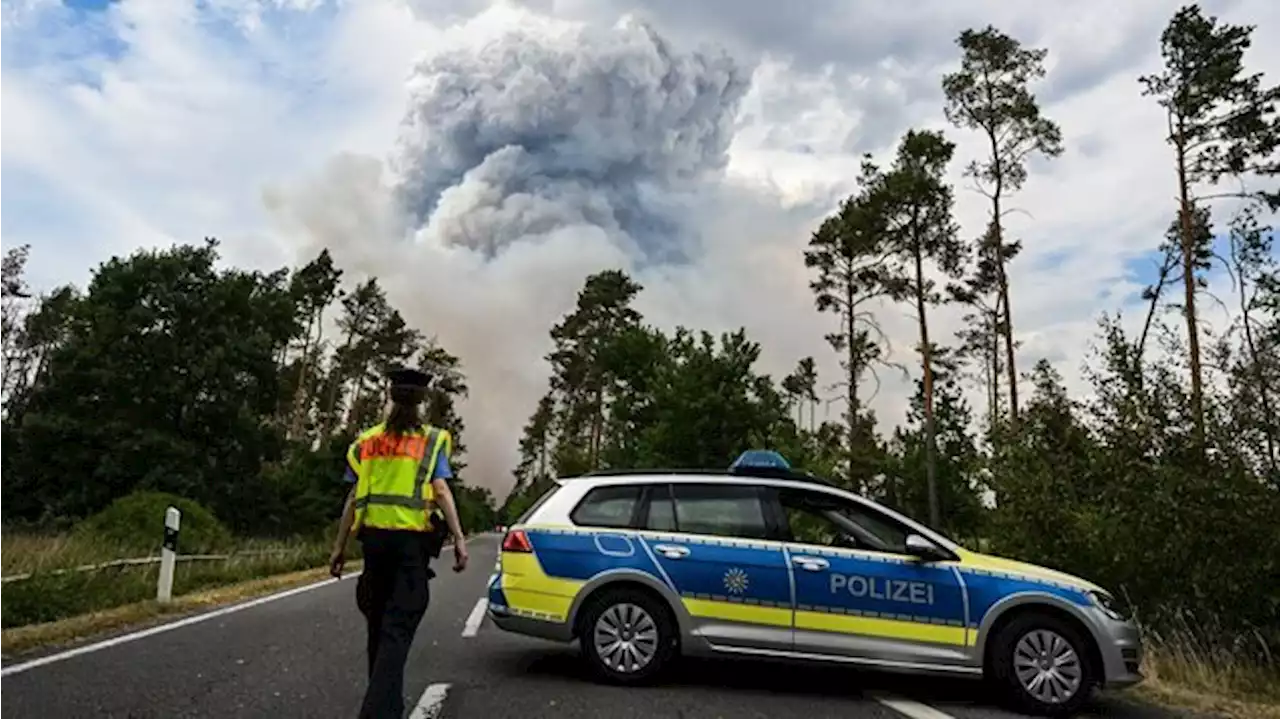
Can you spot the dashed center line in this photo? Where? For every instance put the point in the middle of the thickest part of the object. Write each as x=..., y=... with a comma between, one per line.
x=910, y=708
x=476, y=618
x=431, y=704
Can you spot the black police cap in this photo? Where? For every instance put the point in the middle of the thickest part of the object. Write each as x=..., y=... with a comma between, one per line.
x=408, y=376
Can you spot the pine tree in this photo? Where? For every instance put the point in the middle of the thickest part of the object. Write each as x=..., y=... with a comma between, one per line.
x=917, y=203
x=847, y=253
x=1222, y=123
x=579, y=376
x=990, y=93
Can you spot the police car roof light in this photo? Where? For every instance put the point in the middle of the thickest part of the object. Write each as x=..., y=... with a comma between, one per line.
x=517, y=541
x=760, y=459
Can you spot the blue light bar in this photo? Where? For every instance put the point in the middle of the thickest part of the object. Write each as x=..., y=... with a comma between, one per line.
x=760, y=459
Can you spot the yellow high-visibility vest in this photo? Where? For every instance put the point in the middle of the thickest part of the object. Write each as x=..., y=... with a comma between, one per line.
x=393, y=476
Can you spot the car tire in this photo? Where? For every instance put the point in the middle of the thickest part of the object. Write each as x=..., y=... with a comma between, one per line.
x=638, y=627
x=1031, y=645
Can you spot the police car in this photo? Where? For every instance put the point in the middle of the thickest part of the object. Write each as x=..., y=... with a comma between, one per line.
x=642, y=566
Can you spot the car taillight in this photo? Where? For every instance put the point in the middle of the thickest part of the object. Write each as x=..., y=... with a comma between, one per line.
x=517, y=541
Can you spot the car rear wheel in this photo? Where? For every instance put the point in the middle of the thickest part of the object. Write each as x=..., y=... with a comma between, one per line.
x=627, y=636
x=1041, y=664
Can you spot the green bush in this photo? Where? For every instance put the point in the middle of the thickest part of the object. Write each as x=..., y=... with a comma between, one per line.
x=136, y=522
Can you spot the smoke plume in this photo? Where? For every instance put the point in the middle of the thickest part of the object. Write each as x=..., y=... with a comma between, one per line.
x=534, y=134
x=530, y=161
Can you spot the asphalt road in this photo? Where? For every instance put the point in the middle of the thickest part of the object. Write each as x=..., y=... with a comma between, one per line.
x=302, y=656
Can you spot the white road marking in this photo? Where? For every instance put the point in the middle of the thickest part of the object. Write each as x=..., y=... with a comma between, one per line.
x=913, y=709
x=432, y=702
x=476, y=618
x=160, y=629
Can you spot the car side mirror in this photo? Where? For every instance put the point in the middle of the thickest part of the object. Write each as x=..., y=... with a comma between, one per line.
x=922, y=548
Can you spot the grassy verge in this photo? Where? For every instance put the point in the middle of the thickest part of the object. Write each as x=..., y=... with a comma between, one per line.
x=1194, y=668
x=19, y=640
x=46, y=596
x=1168, y=686
x=25, y=553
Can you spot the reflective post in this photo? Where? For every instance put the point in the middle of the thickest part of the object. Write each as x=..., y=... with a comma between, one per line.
x=168, y=554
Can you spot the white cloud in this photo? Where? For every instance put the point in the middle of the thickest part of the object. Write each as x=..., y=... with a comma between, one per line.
x=268, y=124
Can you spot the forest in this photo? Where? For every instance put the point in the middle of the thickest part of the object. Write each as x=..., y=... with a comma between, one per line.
x=239, y=390
x=1163, y=484
x=168, y=374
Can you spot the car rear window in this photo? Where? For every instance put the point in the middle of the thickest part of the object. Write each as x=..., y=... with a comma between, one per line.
x=722, y=510
x=608, y=507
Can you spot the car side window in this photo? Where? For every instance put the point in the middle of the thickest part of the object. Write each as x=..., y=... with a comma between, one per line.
x=662, y=509
x=722, y=510
x=613, y=507
x=812, y=527
x=890, y=532
x=823, y=520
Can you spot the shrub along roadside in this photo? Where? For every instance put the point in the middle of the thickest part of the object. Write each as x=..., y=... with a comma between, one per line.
x=131, y=527
x=135, y=522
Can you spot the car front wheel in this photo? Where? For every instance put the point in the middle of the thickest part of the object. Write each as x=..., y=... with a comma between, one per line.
x=1041, y=664
x=627, y=636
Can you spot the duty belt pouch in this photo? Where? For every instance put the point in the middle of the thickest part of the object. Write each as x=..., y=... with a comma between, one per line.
x=435, y=538
x=426, y=558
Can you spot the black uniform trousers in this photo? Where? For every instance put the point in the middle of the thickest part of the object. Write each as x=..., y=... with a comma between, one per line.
x=393, y=594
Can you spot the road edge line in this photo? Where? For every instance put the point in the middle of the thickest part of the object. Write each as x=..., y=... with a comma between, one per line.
x=161, y=628
x=431, y=704
x=910, y=708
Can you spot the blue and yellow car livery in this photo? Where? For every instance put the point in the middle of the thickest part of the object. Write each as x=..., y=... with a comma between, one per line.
x=929, y=606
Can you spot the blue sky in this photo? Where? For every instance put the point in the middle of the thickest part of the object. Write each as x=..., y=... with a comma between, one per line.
x=92, y=63
x=1144, y=269
x=89, y=5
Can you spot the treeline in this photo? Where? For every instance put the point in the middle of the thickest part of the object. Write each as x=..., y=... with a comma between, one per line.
x=1164, y=484
x=239, y=390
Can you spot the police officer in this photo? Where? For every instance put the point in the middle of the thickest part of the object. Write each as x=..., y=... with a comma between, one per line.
x=400, y=472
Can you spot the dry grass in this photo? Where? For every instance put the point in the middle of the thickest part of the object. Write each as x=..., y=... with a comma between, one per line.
x=22, y=553
x=1168, y=692
x=26, y=638
x=48, y=596
x=1202, y=655
x=25, y=553
x=1200, y=665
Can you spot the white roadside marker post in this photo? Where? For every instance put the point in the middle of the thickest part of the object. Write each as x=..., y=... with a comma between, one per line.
x=168, y=554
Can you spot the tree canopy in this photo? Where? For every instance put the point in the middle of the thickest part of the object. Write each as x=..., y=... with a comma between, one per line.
x=169, y=374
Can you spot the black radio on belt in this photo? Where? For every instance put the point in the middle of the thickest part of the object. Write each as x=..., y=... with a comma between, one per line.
x=435, y=538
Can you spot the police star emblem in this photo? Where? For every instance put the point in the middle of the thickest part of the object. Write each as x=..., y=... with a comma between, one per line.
x=735, y=581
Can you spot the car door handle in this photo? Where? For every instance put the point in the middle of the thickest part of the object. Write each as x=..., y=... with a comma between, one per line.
x=671, y=551
x=812, y=564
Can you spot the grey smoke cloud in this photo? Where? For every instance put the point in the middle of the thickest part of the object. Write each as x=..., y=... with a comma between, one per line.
x=529, y=162
x=606, y=128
